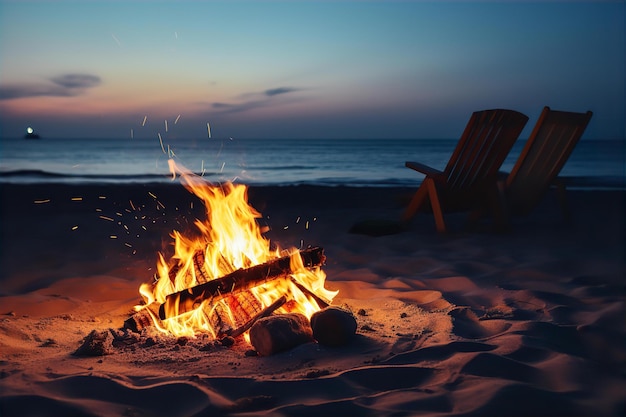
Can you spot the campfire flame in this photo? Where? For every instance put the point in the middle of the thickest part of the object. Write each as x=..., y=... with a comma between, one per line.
x=229, y=239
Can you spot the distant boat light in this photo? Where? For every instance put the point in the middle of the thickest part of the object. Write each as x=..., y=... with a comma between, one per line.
x=30, y=133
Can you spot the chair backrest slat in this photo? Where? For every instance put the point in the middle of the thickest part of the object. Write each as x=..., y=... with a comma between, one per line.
x=548, y=148
x=484, y=144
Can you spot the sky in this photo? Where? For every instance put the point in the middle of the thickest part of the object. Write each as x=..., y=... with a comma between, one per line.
x=299, y=69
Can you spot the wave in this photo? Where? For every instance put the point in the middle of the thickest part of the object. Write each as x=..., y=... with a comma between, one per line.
x=41, y=176
x=313, y=177
x=283, y=167
x=33, y=175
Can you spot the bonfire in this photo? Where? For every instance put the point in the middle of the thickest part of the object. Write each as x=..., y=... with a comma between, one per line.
x=223, y=279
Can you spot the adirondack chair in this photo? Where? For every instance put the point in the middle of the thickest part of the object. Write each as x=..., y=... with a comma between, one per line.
x=469, y=180
x=548, y=148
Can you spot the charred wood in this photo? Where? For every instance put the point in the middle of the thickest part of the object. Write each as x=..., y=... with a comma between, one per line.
x=263, y=313
x=239, y=280
x=143, y=318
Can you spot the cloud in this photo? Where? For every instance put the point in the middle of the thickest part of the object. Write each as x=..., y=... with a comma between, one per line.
x=78, y=81
x=280, y=90
x=258, y=100
x=239, y=107
x=65, y=85
x=8, y=92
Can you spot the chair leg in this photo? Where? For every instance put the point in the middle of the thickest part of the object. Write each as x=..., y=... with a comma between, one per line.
x=562, y=196
x=499, y=212
x=436, y=205
x=416, y=202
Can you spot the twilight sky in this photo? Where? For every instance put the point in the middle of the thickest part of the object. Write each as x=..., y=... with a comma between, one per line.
x=298, y=69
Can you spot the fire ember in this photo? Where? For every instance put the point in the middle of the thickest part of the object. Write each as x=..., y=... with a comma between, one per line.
x=224, y=280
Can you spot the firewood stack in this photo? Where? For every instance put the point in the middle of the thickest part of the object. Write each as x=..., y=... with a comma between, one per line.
x=229, y=305
x=243, y=305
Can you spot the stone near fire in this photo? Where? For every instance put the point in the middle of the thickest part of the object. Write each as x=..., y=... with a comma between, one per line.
x=97, y=343
x=333, y=326
x=280, y=332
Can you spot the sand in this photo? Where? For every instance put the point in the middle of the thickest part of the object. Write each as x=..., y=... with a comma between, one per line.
x=525, y=323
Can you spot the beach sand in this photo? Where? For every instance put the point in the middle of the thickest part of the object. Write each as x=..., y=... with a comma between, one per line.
x=525, y=323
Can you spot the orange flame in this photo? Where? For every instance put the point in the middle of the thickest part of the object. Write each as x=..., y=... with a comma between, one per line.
x=230, y=239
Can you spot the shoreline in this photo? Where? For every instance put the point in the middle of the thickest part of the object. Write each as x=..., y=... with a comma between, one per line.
x=34, y=178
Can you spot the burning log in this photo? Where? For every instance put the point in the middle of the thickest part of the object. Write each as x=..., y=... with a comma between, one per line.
x=239, y=280
x=201, y=274
x=142, y=319
x=232, y=312
x=264, y=313
x=321, y=302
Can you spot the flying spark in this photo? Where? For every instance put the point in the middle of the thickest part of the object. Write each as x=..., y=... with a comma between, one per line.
x=166, y=126
x=161, y=142
x=208, y=128
x=177, y=117
x=144, y=121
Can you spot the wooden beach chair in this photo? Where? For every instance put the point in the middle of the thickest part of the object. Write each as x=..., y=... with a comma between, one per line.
x=469, y=179
x=548, y=148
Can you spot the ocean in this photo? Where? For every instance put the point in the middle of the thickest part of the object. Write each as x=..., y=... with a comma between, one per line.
x=328, y=162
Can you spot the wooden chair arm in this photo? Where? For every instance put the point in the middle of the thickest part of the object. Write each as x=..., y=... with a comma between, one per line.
x=424, y=169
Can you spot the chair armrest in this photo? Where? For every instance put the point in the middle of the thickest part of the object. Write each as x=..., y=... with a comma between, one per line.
x=430, y=172
x=424, y=169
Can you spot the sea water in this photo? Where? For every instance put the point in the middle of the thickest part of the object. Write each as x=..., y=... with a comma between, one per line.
x=351, y=162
